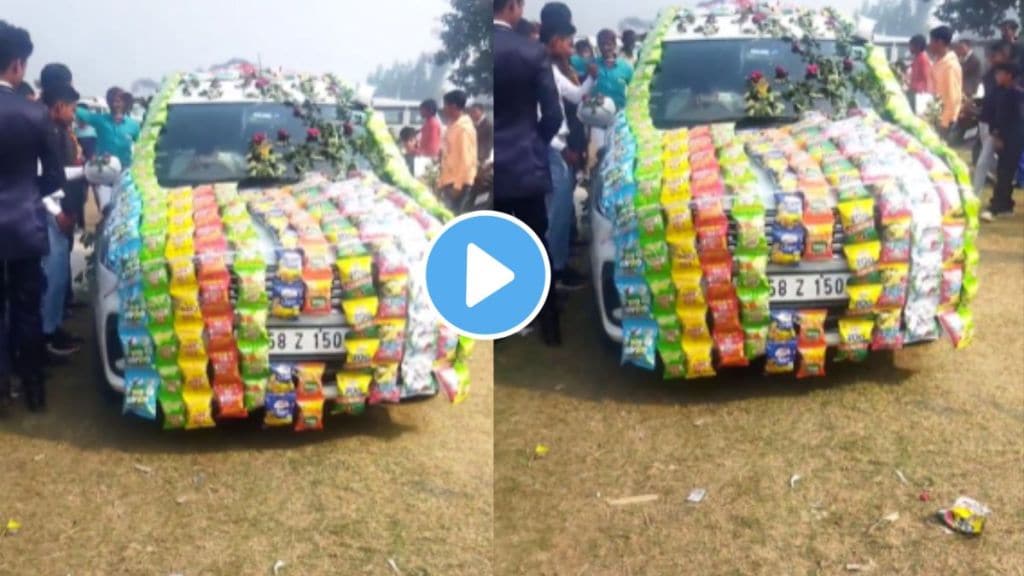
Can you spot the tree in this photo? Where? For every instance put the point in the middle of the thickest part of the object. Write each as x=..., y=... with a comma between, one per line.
x=982, y=16
x=466, y=36
x=412, y=80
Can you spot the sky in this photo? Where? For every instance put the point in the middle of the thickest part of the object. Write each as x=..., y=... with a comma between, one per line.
x=592, y=15
x=115, y=42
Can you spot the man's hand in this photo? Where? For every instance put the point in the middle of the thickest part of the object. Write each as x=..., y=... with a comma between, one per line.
x=592, y=70
x=65, y=223
x=998, y=143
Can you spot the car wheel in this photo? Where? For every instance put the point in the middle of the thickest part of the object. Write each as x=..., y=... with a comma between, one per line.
x=100, y=377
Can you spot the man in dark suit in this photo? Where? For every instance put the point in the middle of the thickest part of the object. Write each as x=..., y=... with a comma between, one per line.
x=26, y=143
x=524, y=83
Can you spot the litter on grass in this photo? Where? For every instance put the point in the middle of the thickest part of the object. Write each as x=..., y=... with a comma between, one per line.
x=855, y=567
x=143, y=469
x=12, y=528
x=540, y=450
x=902, y=478
x=394, y=567
x=642, y=499
x=966, y=516
x=793, y=480
x=889, y=518
x=278, y=566
x=697, y=495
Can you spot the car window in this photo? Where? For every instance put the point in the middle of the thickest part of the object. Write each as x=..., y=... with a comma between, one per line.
x=208, y=142
x=705, y=81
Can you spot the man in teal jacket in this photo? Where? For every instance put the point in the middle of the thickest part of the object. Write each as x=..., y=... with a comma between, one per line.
x=115, y=132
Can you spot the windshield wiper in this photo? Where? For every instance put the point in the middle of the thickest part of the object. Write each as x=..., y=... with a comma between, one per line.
x=763, y=121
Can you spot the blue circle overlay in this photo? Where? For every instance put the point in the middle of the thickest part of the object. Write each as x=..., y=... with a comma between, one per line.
x=512, y=244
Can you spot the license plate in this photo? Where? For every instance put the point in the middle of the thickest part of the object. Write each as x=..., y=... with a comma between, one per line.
x=808, y=287
x=307, y=341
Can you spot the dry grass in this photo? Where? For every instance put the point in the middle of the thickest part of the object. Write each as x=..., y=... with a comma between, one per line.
x=411, y=483
x=952, y=422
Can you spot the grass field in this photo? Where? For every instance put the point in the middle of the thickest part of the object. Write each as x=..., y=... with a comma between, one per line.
x=99, y=493
x=951, y=423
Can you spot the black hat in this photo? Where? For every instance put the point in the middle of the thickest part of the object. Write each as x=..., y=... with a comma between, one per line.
x=61, y=93
x=555, y=12
x=53, y=75
x=556, y=28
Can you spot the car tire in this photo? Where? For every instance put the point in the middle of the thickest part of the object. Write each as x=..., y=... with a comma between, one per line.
x=100, y=376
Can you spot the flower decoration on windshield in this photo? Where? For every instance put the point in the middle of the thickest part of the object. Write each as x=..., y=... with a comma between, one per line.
x=283, y=135
x=761, y=99
x=312, y=134
x=686, y=19
x=781, y=73
x=263, y=161
x=213, y=91
x=812, y=71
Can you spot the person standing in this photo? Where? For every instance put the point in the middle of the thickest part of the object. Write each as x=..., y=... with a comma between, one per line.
x=557, y=32
x=524, y=84
x=583, y=57
x=484, y=132
x=459, y=154
x=629, y=46
x=430, y=133
x=408, y=138
x=998, y=53
x=1010, y=32
x=920, y=80
x=26, y=143
x=61, y=101
x=947, y=77
x=613, y=73
x=970, y=64
x=1008, y=136
x=115, y=132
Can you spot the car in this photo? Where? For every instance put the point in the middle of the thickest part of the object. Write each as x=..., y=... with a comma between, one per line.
x=696, y=62
x=202, y=131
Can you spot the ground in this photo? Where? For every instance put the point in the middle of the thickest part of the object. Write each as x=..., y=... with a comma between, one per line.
x=101, y=493
x=950, y=422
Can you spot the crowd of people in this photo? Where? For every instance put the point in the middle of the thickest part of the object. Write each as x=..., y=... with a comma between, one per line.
x=542, y=75
x=43, y=193
x=462, y=149
x=954, y=74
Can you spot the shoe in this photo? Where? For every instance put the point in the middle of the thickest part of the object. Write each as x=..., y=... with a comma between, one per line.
x=987, y=216
x=59, y=345
x=569, y=280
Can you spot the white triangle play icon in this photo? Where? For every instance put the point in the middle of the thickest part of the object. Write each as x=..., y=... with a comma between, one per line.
x=484, y=275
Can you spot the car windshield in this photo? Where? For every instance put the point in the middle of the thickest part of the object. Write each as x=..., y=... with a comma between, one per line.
x=208, y=142
x=705, y=81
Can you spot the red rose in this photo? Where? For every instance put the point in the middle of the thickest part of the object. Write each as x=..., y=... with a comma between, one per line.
x=283, y=135
x=259, y=138
x=847, y=65
x=812, y=70
x=755, y=77
x=262, y=83
x=312, y=135
x=781, y=73
x=759, y=18
x=348, y=129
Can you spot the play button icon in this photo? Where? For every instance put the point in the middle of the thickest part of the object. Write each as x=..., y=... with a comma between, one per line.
x=484, y=275
x=487, y=275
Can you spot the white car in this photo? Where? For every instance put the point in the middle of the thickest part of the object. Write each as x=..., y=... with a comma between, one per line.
x=702, y=80
x=205, y=141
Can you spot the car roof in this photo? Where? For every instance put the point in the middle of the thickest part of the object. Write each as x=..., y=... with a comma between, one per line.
x=730, y=26
x=230, y=86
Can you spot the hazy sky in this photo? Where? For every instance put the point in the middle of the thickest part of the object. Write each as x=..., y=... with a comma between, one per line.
x=108, y=42
x=592, y=15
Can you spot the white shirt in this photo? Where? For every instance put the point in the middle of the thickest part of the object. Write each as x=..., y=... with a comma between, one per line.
x=6, y=84
x=567, y=90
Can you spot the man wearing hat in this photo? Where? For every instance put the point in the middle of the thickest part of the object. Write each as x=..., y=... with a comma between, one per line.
x=557, y=33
